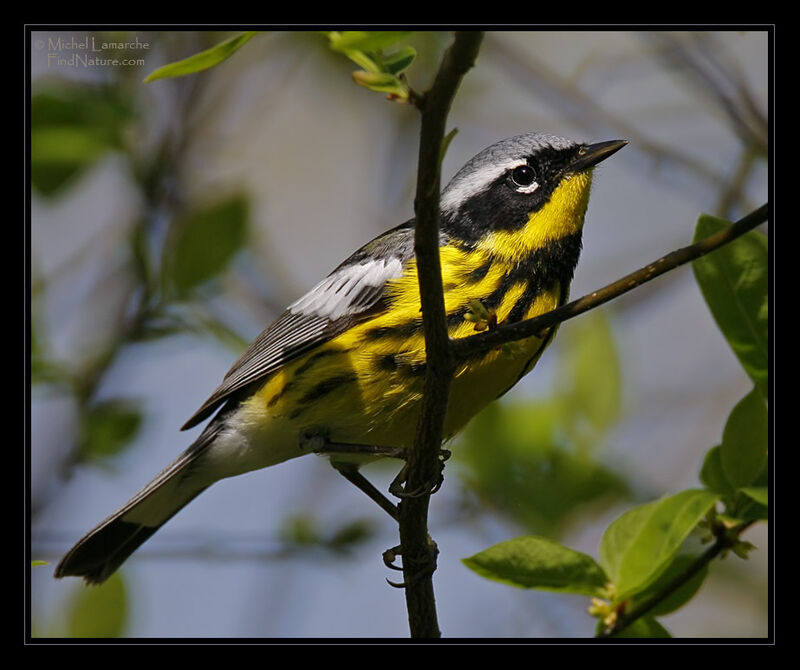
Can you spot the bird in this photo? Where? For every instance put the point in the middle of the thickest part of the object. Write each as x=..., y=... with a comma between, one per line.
x=345, y=363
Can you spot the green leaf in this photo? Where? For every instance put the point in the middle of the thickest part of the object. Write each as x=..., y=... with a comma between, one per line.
x=744, y=441
x=639, y=545
x=364, y=61
x=205, y=241
x=751, y=503
x=101, y=611
x=37, y=563
x=682, y=594
x=365, y=40
x=399, y=60
x=107, y=427
x=713, y=475
x=621, y=536
x=539, y=563
x=734, y=281
x=203, y=60
x=379, y=69
x=758, y=493
x=644, y=627
x=382, y=83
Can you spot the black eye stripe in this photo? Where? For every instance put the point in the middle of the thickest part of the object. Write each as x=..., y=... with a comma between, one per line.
x=504, y=204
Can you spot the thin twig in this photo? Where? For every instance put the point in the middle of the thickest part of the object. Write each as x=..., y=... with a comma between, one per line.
x=423, y=459
x=475, y=345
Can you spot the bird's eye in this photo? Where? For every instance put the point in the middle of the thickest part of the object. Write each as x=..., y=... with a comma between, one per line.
x=523, y=175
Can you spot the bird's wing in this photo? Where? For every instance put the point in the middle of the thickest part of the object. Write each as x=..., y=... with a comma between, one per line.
x=351, y=293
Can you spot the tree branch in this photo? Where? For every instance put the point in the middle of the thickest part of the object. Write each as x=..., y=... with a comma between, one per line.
x=422, y=466
x=475, y=345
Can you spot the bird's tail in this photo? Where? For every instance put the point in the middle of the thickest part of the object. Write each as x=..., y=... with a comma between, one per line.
x=98, y=554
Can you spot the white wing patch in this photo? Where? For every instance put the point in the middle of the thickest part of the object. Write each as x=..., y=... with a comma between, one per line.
x=344, y=291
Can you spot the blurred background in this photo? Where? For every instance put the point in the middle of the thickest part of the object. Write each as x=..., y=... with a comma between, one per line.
x=172, y=221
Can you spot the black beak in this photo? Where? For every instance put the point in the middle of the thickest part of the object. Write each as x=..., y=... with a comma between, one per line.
x=591, y=154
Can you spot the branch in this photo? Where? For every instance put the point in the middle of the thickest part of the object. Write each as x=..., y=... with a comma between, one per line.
x=726, y=539
x=422, y=467
x=474, y=345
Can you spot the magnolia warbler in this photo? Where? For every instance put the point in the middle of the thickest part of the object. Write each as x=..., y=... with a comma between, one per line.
x=347, y=359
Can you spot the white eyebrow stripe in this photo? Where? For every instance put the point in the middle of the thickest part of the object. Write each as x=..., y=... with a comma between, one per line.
x=338, y=294
x=461, y=189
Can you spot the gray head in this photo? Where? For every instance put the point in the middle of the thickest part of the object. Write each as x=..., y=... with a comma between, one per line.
x=501, y=186
x=480, y=172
